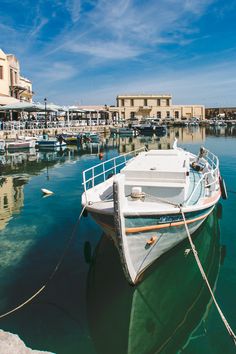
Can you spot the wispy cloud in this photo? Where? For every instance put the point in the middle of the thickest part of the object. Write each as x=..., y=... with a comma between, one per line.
x=73, y=7
x=57, y=72
x=38, y=26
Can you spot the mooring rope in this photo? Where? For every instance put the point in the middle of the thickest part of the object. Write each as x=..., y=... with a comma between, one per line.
x=229, y=329
x=51, y=275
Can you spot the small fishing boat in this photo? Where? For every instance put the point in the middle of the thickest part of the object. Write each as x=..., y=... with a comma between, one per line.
x=69, y=139
x=164, y=309
x=50, y=143
x=146, y=128
x=20, y=144
x=150, y=199
x=126, y=131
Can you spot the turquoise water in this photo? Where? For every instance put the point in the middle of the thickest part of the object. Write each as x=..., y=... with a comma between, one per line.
x=88, y=307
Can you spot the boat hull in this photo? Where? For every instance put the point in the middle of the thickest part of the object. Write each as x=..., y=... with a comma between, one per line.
x=147, y=238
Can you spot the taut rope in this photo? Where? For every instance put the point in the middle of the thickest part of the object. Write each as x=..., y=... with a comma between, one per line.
x=229, y=329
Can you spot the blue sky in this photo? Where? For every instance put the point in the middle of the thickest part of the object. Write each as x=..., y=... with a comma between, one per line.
x=87, y=52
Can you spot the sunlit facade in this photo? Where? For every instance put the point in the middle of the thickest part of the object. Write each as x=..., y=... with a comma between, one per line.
x=12, y=85
x=156, y=106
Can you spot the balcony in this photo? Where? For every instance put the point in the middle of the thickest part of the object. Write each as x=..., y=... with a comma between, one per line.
x=145, y=108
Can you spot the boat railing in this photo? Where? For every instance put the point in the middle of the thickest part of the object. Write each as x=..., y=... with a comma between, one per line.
x=100, y=172
x=210, y=177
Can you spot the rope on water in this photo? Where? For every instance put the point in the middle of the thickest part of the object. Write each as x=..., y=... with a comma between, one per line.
x=51, y=275
x=229, y=329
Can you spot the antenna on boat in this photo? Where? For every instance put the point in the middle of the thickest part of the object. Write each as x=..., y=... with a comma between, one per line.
x=175, y=144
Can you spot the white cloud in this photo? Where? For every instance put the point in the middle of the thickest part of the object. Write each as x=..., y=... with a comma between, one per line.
x=106, y=50
x=57, y=71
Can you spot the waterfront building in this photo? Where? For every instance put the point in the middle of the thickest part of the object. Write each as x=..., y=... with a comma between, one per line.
x=91, y=115
x=221, y=112
x=156, y=106
x=13, y=87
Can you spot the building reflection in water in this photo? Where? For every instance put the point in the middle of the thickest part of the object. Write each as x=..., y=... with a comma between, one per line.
x=184, y=136
x=11, y=198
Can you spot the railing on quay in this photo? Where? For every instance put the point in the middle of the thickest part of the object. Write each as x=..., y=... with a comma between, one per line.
x=29, y=125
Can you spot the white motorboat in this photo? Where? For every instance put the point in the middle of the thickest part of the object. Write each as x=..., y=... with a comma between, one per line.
x=126, y=131
x=50, y=143
x=150, y=200
x=20, y=144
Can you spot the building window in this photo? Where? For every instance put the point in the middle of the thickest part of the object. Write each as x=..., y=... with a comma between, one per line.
x=1, y=72
x=132, y=115
x=145, y=102
x=168, y=114
x=159, y=114
x=122, y=102
x=15, y=77
x=158, y=102
x=177, y=114
x=167, y=102
x=11, y=77
x=131, y=102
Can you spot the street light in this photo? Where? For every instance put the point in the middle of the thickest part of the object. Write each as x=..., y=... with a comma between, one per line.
x=45, y=103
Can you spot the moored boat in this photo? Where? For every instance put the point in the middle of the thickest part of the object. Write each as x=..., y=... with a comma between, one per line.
x=50, y=143
x=126, y=131
x=169, y=304
x=142, y=205
x=20, y=144
x=146, y=128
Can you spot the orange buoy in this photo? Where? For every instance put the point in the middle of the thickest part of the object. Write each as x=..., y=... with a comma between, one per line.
x=101, y=155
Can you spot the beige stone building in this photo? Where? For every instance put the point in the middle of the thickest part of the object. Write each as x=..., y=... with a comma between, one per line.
x=153, y=106
x=13, y=86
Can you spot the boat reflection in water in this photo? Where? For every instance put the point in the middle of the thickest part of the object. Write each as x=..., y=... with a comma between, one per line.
x=159, y=314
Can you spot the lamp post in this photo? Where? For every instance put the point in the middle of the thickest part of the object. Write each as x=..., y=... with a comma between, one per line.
x=45, y=103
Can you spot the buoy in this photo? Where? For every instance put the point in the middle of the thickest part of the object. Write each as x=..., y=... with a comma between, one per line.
x=100, y=155
x=223, y=188
x=46, y=191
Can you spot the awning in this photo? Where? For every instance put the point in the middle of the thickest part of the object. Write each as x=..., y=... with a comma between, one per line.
x=27, y=107
x=8, y=100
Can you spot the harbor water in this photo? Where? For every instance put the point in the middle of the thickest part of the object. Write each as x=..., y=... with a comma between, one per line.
x=88, y=307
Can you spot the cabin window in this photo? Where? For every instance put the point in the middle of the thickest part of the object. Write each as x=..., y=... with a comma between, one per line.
x=1, y=72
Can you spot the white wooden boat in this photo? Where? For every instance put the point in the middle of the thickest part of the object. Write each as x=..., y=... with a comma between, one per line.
x=141, y=205
x=20, y=144
x=50, y=143
x=126, y=131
